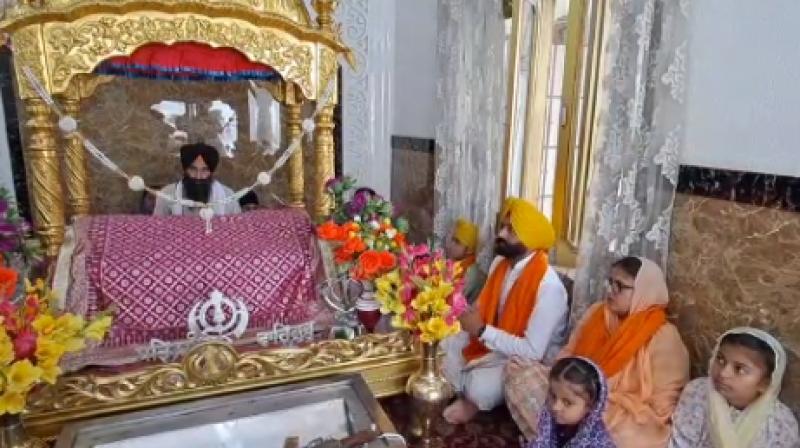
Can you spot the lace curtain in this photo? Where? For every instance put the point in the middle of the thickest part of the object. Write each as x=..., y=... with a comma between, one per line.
x=471, y=96
x=640, y=139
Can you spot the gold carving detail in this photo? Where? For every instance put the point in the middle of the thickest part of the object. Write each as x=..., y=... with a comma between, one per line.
x=292, y=10
x=209, y=369
x=28, y=53
x=294, y=127
x=44, y=175
x=76, y=171
x=78, y=47
x=324, y=160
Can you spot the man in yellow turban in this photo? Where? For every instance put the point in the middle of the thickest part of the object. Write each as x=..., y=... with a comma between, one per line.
x=462, y=247
x=521, y=311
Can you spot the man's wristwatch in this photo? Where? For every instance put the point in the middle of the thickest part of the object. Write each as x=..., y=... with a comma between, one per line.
x=480, y=332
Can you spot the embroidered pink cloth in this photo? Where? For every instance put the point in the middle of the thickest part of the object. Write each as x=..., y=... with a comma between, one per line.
x=152, y=270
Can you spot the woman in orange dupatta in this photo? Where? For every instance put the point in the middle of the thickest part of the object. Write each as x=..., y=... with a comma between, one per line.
x=641, y=353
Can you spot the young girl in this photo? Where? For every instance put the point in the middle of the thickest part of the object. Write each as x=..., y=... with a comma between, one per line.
x=573, y=417
x=737, y=405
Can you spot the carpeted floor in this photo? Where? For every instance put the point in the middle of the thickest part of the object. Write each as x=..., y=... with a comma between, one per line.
x=493, y=429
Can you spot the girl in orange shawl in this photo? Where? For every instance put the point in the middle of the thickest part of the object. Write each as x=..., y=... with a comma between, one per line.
x=641, y=353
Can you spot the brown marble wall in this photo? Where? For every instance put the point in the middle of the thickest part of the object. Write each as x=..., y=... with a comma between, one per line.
x=119, y=119
x=412, y=184
x=735, y=264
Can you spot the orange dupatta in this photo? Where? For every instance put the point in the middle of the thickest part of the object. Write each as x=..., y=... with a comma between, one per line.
x=519, y=305
x=612, y=351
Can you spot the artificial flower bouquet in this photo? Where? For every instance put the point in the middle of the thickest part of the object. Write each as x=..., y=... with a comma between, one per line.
x=424, y=294
x=33, y=338
x=365, y=234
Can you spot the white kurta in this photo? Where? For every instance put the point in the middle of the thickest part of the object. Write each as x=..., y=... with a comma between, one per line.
x=218, y=192
x=481, y=381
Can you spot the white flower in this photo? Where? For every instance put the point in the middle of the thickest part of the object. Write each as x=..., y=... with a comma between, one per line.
x=375, y=225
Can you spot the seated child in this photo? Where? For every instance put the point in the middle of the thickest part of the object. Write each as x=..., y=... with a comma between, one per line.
x=737, y=406
x=462, y=247
x=573, y=417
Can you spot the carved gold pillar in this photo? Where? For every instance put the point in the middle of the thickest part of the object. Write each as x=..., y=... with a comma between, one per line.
x=323, y=146
x=294, y=125
x=76, y=173
x=44, y=175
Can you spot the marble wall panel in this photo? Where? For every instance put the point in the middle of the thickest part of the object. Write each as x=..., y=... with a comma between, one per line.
x=412, y=184
x=731, y=264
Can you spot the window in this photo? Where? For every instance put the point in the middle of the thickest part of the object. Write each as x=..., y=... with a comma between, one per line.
x=553, y=63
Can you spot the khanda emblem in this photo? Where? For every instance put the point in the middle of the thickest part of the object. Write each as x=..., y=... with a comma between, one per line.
x=218, y=316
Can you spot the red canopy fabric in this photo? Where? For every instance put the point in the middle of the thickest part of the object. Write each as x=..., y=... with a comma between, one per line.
x=186, y=60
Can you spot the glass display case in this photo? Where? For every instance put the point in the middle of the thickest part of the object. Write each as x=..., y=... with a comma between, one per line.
x=304, y=414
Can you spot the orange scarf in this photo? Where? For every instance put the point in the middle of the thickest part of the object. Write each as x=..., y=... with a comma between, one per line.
x=466, y=263
x=519, y=305
x=612, y=351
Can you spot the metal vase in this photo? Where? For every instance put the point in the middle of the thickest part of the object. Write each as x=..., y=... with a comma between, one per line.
x=430, y=393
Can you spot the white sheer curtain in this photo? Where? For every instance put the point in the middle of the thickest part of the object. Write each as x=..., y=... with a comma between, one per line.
x=471, y=95
x=640, y=139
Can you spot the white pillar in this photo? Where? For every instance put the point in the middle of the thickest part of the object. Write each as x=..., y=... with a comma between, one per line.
x=368, y=28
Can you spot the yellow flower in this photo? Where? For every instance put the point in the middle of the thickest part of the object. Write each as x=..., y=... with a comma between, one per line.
x=50, y=372
x=48, y=351
x=434, y=329
x=388, y=283
x=97, y=329
x=69, y=324
x=21, y=376
x=44, y=324
x=400, y=323
x=6, y=348
x=11, y=402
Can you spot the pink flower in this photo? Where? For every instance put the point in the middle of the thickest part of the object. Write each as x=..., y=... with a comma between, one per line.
x=458, y=304
x=418, y=250
x=7, y=308
x=25, y=345
x=409, y=316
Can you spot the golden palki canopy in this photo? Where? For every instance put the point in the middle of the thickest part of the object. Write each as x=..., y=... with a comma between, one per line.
x=62, y=42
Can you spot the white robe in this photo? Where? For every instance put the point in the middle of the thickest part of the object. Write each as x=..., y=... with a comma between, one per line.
x=481, y=381
x=218, y=192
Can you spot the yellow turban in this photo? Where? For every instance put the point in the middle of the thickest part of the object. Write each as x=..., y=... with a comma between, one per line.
x=529, y=224
x=466, y=233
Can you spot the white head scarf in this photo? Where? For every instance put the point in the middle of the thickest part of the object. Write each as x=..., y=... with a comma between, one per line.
x=724, y=432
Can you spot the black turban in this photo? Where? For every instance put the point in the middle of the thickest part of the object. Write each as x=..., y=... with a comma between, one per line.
x=192, y=151
x=249, y=198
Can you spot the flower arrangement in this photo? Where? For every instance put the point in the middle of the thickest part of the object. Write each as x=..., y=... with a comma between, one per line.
x=33, y=338
x=364, y=231
x=424, y=293
x=14, y=234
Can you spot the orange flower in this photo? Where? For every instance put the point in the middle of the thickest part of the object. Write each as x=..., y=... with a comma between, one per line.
x=8, y=282
x=371, y=262
x=342, y=256
x=354, y=245
x=331, y=231
x=388, y=260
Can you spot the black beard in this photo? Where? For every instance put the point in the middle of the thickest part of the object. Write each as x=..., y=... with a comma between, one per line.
x=198, y=190
x=510, y=251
